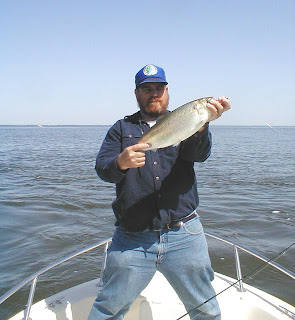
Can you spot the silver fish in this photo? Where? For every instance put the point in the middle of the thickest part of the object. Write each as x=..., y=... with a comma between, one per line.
x=178, y=125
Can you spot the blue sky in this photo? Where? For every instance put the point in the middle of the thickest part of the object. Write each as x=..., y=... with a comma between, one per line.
x=73, y=62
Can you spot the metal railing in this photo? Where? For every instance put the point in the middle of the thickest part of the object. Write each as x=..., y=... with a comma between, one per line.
x=34, y=277
x=253, y=253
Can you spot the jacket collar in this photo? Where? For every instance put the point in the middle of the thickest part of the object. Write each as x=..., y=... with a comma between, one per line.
x=137, y=118
x=134, y=118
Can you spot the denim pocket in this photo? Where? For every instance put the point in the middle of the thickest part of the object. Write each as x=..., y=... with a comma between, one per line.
x=193, y=226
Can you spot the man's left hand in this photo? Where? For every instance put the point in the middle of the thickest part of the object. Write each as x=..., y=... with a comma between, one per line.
x=218, y=106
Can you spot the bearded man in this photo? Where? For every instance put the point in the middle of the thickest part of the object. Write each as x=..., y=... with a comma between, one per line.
x=157, y=225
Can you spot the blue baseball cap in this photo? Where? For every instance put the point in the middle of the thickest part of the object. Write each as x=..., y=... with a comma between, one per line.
x=150, y=73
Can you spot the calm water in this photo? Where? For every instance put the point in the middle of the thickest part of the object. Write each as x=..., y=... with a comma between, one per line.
x=52, y=204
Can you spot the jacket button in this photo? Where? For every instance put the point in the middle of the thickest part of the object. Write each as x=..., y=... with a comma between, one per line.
x=155, y=162
x=157, y=178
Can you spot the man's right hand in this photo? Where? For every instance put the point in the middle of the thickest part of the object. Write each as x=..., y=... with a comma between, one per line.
x=132, y=157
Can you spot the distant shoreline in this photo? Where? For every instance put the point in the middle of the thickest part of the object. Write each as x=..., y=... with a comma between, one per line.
x=53, y=125
x=108, y=125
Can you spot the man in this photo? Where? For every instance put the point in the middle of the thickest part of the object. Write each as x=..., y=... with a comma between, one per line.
x=157, y=224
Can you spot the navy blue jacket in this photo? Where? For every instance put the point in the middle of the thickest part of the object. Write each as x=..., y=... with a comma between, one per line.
x=164, y=189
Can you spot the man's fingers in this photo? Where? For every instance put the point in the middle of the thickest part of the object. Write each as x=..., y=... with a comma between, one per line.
x=225, y=101
x=140, y=146
x=218, y=106
x=140, y=163
x=140, y=155
x=215, y=106
x=139, y=159
x=132, y=156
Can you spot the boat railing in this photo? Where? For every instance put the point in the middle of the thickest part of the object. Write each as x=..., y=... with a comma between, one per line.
x=259, y=256
x=34, y=277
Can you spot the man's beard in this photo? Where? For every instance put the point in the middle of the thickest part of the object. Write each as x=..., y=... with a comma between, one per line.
x=148, y=110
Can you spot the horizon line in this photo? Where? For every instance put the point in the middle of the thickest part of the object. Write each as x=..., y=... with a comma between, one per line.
x=107, y=125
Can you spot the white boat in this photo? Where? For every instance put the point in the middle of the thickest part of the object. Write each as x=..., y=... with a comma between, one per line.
x=237, y=300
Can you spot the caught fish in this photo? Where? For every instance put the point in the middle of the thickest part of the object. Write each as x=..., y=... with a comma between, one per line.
x=178, y=125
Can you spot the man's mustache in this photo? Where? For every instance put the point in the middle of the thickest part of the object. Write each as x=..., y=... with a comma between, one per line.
x=153, y=100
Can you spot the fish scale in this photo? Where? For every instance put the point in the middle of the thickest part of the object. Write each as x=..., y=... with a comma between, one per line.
x=178, y=125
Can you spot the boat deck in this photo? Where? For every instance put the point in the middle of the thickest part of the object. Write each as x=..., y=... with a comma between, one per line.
x=160, y=302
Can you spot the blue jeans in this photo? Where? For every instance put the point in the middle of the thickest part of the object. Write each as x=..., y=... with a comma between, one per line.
x=181, y=255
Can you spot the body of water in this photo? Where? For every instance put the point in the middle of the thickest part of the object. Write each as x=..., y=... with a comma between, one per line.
x=52, y=204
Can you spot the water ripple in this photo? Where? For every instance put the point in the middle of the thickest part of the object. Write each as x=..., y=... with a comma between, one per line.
x=52, y=203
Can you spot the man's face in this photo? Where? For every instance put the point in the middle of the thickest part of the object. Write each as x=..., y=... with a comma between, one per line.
x=153, y=99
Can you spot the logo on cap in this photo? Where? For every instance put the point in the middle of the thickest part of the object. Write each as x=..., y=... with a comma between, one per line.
x=150, y=70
